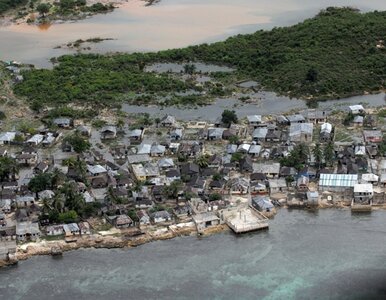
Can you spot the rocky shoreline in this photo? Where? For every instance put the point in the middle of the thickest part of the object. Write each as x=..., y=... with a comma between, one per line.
x=123, y=240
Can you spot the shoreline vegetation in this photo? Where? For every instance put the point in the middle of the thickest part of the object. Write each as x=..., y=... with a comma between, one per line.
x=336, y=54
x=41, y=12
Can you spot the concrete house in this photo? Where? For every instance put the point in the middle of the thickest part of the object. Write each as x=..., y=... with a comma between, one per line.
x=27, y=231
x=271, y=170
x=316, y=116
x=108, y=132
x=143, y=217
x=363, y=193
x=297, y=118
x=35, y=140
x=136, y=135
x=96, y=170
x=259, y=134
x=161, y=216
x=7, y=137
x=176, y=134
x=358, y=121
x=62, y=122
x=239, y=186
x=168, y=121
x=215, y=133
x=325, y=133
x=357, y=109
x=372, y=136
x=262, y=204
x=301, y=132
x=254, y=120
x=157, y=150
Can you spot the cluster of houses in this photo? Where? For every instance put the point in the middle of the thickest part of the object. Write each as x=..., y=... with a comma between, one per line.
x=206, y=167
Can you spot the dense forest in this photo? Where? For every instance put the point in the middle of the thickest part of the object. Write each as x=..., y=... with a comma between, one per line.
x=9, y=4
x=340, y=52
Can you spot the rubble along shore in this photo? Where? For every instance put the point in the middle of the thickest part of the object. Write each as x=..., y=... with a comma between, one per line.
x=45, y=247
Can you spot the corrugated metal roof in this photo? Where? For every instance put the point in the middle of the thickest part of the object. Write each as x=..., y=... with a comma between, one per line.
x=338, y=180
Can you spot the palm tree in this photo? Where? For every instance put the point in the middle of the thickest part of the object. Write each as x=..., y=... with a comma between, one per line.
x=137, y=186
x=58, y=203
x=329, y=153
x=46, y=206
x=202, y=161
x=318, y=155
x=57, y=178
x=173, y=189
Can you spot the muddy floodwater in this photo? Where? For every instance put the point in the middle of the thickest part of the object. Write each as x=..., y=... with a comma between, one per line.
x=167, y=24
x=329, y=254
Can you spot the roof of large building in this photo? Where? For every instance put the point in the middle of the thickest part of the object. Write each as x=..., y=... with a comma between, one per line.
x=338, y=180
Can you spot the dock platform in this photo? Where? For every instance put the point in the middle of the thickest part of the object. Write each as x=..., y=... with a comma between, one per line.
x=245, y=220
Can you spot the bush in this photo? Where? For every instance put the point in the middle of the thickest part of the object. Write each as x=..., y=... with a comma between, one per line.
x=68, y=217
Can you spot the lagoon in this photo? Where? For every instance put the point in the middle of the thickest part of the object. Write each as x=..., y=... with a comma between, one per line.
x=167, y=24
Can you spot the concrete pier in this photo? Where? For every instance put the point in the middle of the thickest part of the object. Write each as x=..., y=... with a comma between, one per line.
x=244, y=219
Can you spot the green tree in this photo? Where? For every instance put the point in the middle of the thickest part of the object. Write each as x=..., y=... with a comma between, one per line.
x=297, y=158
x=40, y=183
x=43, y=9
x=78, y=142
x=237, y=157
x=228, y=117
x=172, y=190
x=68, y=217
x=189, y=69
x=8, y=168
x=289, y=180
x=73, y=200
x=215, y=197
x=312, y=75
x=234, y=139
x=216, y=177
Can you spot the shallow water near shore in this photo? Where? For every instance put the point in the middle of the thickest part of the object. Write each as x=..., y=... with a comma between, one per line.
x=167, y=24
x=304, y=255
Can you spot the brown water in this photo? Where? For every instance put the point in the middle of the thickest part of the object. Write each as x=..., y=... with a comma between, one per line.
x=168, y=24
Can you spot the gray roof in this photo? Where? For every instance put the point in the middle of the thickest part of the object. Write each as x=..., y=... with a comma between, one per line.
x=135, y=133
x=109, y=128
x=260, y=133
x=158, y=149
x=144, y=149
x=215, y=132
x=254, y=119
x=296, y=118
x=62, y=121
x=299, y=128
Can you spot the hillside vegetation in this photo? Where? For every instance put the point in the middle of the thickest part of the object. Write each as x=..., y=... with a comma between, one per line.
x=6, y=5
x=338, y=53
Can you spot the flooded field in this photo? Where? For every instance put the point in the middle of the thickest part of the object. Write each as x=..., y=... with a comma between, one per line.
x=267, y=103
x=179, y=68
x=167, y=24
